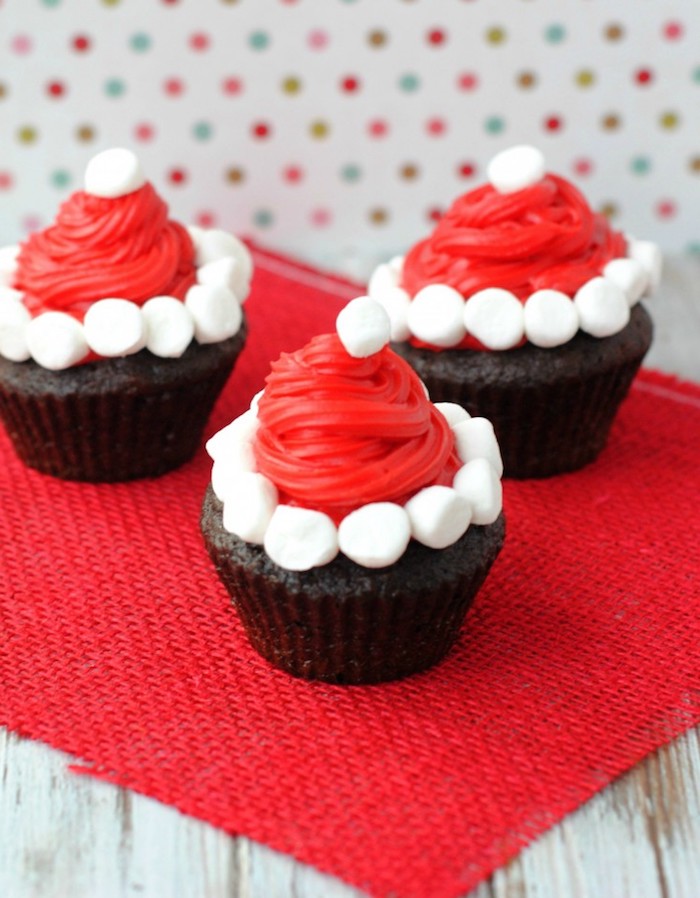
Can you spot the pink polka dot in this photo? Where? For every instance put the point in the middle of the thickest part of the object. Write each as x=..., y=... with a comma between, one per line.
x=292, y=174
x=205, y=219
x=436, y=127
x=666, y=209
x=199, y=41
x=21, y=44
x=468, y=81
x=378, y=128
x=320, y=218
x=232, y=85
x=144, y=132
x=317, y=39
x=173, y=87
x=177, y=176
x=583, y=167
x=31, y=223
x=5, y=180
x=673, y=31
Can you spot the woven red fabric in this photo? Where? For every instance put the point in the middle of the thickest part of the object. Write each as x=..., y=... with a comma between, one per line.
x=581, y=653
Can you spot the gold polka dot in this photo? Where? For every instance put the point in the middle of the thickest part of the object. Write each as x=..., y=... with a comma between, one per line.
x=585, y=78
x=377, y=38
x=610, y=122
x=409, y=171
x=694, y=164
x=319, y=129
x=495, y=35
x=526, y=80
x=378, y=216
x=3, y=91
x=669, y=120
x=85, y=133
x=27, y=134
x=613, y=32
x=235, y=175
x=609, y=210
x=291, y=85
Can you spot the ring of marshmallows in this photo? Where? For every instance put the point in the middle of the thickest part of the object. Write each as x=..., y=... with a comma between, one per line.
x=439, y=315
x=374, y=535
x=115, y=327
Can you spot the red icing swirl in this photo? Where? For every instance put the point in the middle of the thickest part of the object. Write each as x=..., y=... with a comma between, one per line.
x=124, y=247
x=337, y=432
x=544, y=236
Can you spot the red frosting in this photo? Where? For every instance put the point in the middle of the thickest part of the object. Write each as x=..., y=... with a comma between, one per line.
x=337, y=432
x=544, y=236
x=124, y=247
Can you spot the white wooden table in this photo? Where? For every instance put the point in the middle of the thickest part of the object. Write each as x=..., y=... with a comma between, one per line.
x=65, y=836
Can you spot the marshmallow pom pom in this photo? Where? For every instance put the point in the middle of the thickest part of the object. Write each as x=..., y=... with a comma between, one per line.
x=375, y=535
x=602, y=308
x=396, y=303
x=9, y=294
x=363, y=327
x=382, y=279
x=649, y=257
x=114, y=173
x=214, y=244
x=452, y=413
x=299, y=539
x=475, y=438
x=396, y=265
x=478, y=482
x=169, y=327
x=630, y=276
x=249, y=505
x=114, y=327
x=227, y=272
x=436, y=316
x=516, y=168
x=14, y=319
x=56, y=341
x=550, y=318
x=216, y=313
x=495, y=317
x=226, y=442
x=439, y=516
x=8, y=264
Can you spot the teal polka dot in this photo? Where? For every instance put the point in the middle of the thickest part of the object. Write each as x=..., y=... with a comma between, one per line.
x=555, y=33
x=263, y=218
x=494, y=124
x=409, y=82
x=350, y=173
x=60, y=178
x=140, y=42
x=696, y=74
x=202, y=130
x=51, y=2
x=640, y=165
x=693, y=248
x=114, y=87
x=259, y=40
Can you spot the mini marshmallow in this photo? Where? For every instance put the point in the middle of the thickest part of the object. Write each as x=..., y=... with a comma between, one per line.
x=396, y=303
x=56, y=341
x=8, y=294
x=216, y=313
x=436, y=315
x=375, y=535
x=439, y=516
x=227, y=272
x=475, y=438
x=630, y=276
x=115, y=327
x=249, y=506
x=602, y=308
x=114, y=173
x=8, y=264
x=516, y=168
x=396, y=265
x=550, y=318
x=226, y=441
x=169, y=326
x=452, y=412
x=299, y=539
x=478, y=482
x=214, y=244
x=255, y=401
x=649, y=256
x=14, y=319
x=363, y=327
x=495, y=317
x=383, y=278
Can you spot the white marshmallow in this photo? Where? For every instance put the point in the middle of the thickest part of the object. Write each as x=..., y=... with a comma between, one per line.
x=226, y=441
x=214, y=244
x=475, y=438
x=602, y=308
x=196, y=233
x=169, y=326
x=436, y=315
x=550, y=318
x=8, y=294
x=216, y=313
x=649, y=256
x=383, y=278
x=452, y=412
x=516, y=168
x=396, y=303
x=495, y=317
x=115, y=327
x=439, y=516
x=227, y=272
x=478, y=482
x=255, y=401
x=249, y=506
x=630, y=276
x=375, y=535
x=299, y=539
x=8, y=263
x=396, y=265
x=114, y=173
x=56, y=341
x=14, y=319
x=363, y=327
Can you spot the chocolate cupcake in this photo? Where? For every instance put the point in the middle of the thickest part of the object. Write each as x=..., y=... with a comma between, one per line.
x=522, y=305
x=351, y=520
x=118, y=330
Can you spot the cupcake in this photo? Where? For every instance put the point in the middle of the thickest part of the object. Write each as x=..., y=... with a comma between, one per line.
x=118, y=330
x=523, y=305
x=351, y=520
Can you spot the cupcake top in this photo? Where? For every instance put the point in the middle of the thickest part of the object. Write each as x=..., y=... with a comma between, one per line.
x=114, y=275
x=343, y=451
x=521, y=258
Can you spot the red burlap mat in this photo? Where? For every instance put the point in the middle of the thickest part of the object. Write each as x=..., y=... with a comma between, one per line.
x=581, y=654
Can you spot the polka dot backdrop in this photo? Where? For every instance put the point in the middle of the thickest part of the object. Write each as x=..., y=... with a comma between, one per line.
x=339, y=130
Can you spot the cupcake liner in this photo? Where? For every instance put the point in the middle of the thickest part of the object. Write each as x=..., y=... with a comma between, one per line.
x=114, y=419
x=343, y=623
x=552, y=409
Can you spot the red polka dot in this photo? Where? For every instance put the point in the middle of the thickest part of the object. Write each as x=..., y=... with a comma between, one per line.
x=293, y=174
x=350, y=84
x=583, y=167
x=643, y=76
x=553, y=123
x=436, y=37
x=81, y=43
x=205, y=219
x=467, y=81
x=173, y=87
x=435, y=214
x=232, y=85
x=673, y=31
x=5, y=180
x=466, y=169
x=666, y=209
x=378, y=128
x=177, y=176
x=261, y=130
x=55, y=89
x=435, y=126
x=170, y=2
x=199, y=41
x=320, y=217
x=144, y=132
